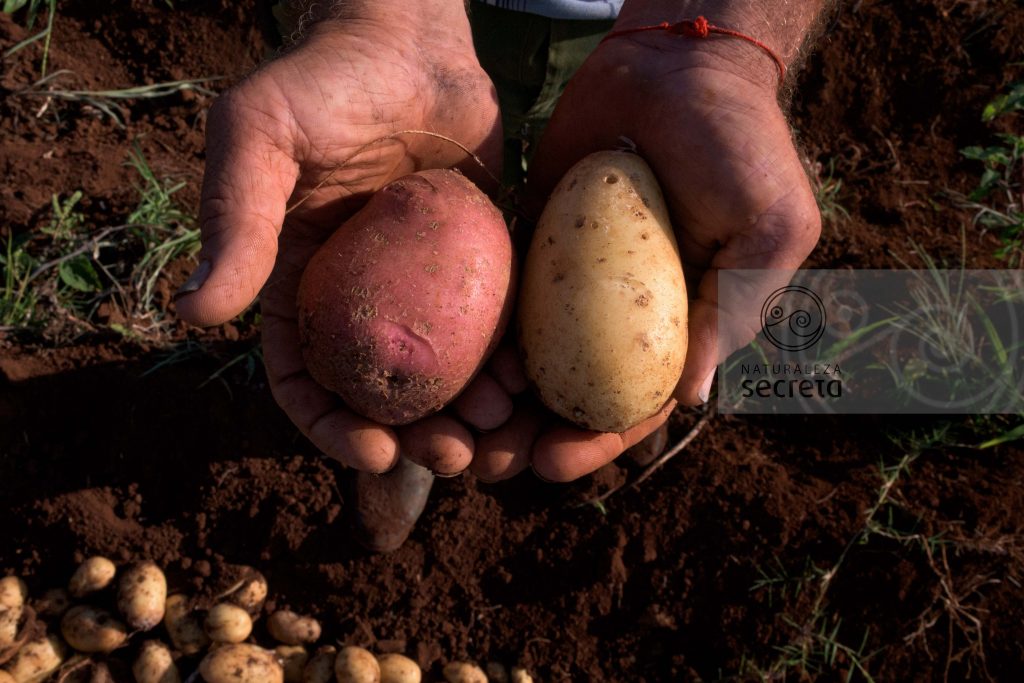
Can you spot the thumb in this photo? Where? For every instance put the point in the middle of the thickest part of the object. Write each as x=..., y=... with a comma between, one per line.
x=248, y=180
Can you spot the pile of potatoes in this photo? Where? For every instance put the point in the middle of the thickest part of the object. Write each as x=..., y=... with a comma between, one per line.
x=91, y=638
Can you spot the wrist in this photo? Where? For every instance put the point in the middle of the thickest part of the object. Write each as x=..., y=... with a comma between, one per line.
x=782, y=26
x=398, y=17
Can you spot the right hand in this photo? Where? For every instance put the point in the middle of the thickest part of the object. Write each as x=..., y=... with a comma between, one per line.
x=282, y=135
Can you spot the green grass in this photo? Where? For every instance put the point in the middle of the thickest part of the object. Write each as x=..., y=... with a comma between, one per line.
x=827, y=190
x=60, y=275
x=997, y=201
x=165, y=231
x=18, y=298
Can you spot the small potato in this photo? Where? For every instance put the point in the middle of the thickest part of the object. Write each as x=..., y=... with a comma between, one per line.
x=293, y=659
x=142, y=595
x=520, y=675
x=241, y=663
x=227, y=623
x=91, y=629
x=99, y=672
x=320, y=667
x=496, y=672
x=53, y=604
x=464, y=672
x=252, y=593
x=356, y=665
x=6, y=677
x=183, y=626
x=154, y=664
x=396, y=668
x=13, y=594
x=93, y=575
x=293, y=629
x=603, y=308
x=37, y=659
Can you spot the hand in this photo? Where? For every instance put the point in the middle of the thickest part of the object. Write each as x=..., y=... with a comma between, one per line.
x=282, y=136
x=714, y=134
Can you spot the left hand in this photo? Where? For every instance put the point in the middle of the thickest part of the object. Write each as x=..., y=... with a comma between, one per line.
x=714, y=134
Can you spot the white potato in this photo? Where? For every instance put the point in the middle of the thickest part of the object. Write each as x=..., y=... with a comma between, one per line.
x=464, y=672
x=154, y=664
x=251, y=594
x=241, y=663
x=293, y=659
x=53, y=603
x=227, y=623
x=293, y=629
x=602, y=308
x=13, y=594
x=142, y=595
x=496, y=672
x=183, y=625
x=6, y=677
x=91, y=629
x=520, y=676
x=320, y=667
x=92, y=575
x=396, y=668
x=356, y=665
x=36, y=660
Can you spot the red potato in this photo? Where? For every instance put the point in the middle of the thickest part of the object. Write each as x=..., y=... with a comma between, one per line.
x=400, y=308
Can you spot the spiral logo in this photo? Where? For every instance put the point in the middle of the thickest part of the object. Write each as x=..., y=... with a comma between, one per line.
x=793, y=318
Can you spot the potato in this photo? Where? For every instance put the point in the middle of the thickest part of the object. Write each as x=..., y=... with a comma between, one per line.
x=37, y=659
x=402, y=305
x=293, y=659
x=602, y=309
x=241, y=663
x=227, y=623
x=464, y=672
x=91, y=629
x=6, y=677
x=142, y=595
x=396, y=668
x=183, y=626
x=496, y=672
x=320, y=667
x=293, y=629
x=154, y=664
x=356, y=665
x=93, y=575
x=13, y=594
x=53, y=603
x=520, y=676
x=251, y=594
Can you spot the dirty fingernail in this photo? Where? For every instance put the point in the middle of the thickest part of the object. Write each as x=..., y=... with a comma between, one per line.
x=196, y=281
x=705, y=387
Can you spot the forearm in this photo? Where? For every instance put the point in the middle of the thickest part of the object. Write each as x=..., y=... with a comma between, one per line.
x=787, y=27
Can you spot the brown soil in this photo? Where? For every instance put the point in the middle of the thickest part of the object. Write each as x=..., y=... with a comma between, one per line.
x=102, y=453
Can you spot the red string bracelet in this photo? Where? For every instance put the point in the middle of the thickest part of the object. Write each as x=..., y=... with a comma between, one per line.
x=701, y=28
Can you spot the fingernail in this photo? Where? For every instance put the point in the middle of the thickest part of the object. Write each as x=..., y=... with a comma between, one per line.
x=705, y=387
x=194, y=282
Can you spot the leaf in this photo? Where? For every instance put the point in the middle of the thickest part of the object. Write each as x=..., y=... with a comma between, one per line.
x=14, y=5
x=1012, y=101
x=1011, y=435
x=78, y=273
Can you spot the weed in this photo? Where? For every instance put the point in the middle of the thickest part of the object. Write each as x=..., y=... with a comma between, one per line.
x=33, y=8
x=108, y=101
x=827, y=188
x=66, y=219
x=18, y=300
x=998, y=201
x=164, y=230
